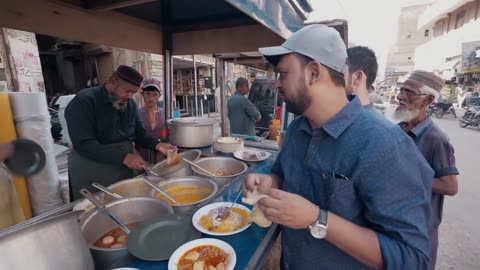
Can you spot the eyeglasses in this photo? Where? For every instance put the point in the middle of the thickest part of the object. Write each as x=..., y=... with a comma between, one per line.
x=410, y=93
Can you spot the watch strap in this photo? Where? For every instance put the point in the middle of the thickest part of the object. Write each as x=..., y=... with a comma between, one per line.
x=322, y=217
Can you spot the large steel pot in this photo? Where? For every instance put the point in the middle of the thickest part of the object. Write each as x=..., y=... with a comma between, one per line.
x=180, y=169
x=190, y=181
x=54, y=243
x=220, y=164
x=95, y=224
x=191, y=132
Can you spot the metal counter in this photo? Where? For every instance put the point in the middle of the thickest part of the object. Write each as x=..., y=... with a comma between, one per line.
x=251, y=246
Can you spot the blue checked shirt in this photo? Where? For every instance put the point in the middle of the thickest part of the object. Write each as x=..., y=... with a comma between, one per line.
x=366, y=170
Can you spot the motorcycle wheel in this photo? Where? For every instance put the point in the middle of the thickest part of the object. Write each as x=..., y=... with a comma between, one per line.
x=463, y=124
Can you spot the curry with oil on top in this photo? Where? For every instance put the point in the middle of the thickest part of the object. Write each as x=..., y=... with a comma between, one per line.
x=115, y=238
x=185, y=194
x=205, y=257
x=237, y=219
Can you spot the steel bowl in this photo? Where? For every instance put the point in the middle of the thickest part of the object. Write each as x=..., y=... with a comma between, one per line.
x=189, y=181
x=52, y=243
x=95, y=224
x=130, y=188
x=223, y=164
x=180, y=169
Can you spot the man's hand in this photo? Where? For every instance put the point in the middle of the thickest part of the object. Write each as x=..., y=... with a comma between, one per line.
x=164, y=147
x=134, y=161
x=288, y=209
x=261, y=181
x=6, y=151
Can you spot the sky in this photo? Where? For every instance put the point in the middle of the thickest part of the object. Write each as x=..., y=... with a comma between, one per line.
x=371, y=23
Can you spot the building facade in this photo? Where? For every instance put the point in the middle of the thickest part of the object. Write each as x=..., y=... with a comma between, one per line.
x=454, y=50
x=400, y=59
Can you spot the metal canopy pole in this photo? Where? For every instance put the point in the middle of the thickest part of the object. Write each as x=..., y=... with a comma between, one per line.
x=167, y=58
x=220, y=74
x=195, y=89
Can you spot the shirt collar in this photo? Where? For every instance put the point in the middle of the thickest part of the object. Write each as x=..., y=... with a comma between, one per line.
x=420, y=128
x=105, y=95
x=340, y=122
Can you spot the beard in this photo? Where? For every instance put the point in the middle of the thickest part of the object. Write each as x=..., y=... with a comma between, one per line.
x=405, y=115
x=301, y=102
x=117, y=103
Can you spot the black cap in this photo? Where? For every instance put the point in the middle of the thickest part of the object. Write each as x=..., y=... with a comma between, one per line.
x=130, y=75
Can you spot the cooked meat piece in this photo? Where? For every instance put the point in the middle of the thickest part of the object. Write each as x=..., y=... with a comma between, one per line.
x=192, y=256
x=108, y=240
x=198, y=265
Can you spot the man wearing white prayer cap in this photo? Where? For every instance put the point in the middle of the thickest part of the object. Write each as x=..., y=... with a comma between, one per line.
x=420, y=90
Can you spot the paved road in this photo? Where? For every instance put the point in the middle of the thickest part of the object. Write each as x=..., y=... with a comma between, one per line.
x=460, y=228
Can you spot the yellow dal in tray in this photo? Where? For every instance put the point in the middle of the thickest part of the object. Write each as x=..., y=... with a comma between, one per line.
x=185, y=194
x=236, y=220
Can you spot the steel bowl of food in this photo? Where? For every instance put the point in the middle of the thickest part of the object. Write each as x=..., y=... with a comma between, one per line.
x=106, y=240
x=224, y=168
x=188, y=191
x=178, y=167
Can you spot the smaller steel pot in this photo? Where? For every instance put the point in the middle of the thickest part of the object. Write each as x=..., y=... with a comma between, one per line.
x=223, y=164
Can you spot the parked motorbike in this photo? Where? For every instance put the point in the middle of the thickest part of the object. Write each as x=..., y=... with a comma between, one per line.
x=439, y=109
x=471, y=117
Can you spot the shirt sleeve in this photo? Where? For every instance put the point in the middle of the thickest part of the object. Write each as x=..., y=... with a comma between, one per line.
x=396, y=190
x=141, y=136
x=80, y=116
x=250, y=109
x=443, y=160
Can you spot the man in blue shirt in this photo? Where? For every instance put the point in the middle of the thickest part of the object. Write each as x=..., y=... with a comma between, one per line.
x=350, y=189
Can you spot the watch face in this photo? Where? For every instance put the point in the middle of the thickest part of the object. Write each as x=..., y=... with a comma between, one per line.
x=318, y=231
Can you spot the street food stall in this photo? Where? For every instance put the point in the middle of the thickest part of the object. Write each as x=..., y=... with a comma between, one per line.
x=149, y=202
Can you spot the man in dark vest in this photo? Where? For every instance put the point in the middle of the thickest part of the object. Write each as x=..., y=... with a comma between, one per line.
x=104, y=125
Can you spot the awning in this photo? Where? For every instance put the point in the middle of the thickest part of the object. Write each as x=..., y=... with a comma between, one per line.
x=196, y=26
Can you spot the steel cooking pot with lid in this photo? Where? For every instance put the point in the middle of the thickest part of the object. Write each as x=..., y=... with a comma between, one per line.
x=191, y=132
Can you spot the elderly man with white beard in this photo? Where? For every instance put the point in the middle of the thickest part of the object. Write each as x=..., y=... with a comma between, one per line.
x=420, y=90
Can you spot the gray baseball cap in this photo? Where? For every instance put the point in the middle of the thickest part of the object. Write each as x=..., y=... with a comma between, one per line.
x=317, y=41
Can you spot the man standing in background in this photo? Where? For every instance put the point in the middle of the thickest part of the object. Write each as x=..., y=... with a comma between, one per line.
x=361, y=73
x=417, y=92
x=241, y=112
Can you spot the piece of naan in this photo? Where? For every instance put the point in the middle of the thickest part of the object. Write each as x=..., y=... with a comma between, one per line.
x=256, y=215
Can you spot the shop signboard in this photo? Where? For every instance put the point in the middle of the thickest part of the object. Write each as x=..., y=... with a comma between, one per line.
x=471, y=57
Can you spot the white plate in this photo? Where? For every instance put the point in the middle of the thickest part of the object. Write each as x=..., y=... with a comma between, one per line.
x=172, y=263
x=204, y=210
x=260, y=155
x=229, y=140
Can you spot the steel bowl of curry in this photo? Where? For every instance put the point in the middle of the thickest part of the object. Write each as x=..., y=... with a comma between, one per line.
x=188, y=191
x=225, y=168
x=107, y=242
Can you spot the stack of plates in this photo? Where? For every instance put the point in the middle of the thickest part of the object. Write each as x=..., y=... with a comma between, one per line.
x=228, y=144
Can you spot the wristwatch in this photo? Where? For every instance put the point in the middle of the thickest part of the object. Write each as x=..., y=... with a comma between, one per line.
x=318, y=229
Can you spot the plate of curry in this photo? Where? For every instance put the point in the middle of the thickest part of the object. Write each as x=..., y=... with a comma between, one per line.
x=203, y=254
x=205, y=219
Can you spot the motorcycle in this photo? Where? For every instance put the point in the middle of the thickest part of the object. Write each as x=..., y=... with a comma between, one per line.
x=439, y=109
x=471, y=117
